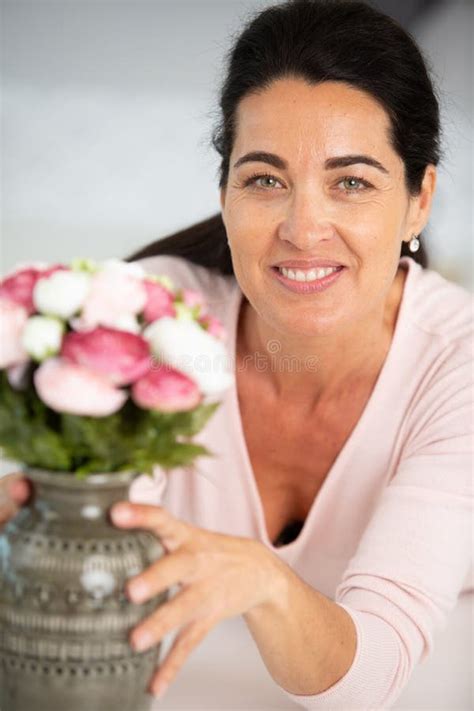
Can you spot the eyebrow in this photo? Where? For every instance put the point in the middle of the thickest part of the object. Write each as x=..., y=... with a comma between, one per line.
x=262, y=157
x=330, y=163
x=344, y=161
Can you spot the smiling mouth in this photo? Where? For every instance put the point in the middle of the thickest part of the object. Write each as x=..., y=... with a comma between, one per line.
x=307, y=275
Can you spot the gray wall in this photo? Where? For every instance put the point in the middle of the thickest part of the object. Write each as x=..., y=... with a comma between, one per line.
x=108, y=107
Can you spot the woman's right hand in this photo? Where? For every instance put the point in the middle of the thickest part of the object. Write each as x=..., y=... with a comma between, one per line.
x=14, y=492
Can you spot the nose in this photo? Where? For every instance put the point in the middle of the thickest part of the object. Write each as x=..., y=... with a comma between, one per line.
x=306, y=222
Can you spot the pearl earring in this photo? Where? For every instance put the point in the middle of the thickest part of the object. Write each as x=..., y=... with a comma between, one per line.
x=414, y=244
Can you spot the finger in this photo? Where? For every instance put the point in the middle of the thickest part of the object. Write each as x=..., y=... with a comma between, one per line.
x=19, y=490
x=7, y=509
x=16, y=487
x=177, y=567
x=180, y=610
x=171, y=531
x=184, y=643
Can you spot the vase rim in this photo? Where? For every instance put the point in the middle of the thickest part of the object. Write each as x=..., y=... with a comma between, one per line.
x=97, y=480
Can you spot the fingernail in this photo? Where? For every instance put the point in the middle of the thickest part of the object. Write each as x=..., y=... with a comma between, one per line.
x=121, y=513
x=18, y=489
x=142, y=640
x=137, y=590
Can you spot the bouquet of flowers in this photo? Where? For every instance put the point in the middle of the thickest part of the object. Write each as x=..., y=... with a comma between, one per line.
x=105, y=368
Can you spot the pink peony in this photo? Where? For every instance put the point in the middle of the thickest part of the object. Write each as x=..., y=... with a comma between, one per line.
x=68, y=387
x=213, y=326
x=13, y=318
x=120, y=356
x=166, y=389
x=113, y=295
x=159, y=301
x=19, y=285
x=194, y=298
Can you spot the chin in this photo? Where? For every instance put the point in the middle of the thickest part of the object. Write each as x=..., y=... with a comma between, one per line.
x=309, y=324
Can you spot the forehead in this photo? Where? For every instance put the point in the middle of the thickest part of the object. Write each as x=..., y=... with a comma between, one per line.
x=327, y=118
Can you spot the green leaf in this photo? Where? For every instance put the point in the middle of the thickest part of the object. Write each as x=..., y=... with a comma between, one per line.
x=189, y=422
x=131, y=439
x=24, y=431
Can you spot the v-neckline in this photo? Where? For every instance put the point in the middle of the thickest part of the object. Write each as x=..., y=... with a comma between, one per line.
x=344, y=452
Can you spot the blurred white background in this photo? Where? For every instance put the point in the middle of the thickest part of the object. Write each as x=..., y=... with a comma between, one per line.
x=108, y=107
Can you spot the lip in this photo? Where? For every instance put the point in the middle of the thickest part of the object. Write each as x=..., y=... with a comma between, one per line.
x=308, y=287
x=307, y=263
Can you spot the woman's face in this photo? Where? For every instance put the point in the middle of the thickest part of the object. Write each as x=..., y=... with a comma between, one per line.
x=329, y=194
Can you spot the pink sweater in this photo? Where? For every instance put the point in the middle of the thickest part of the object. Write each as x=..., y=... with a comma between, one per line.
x=388, y=537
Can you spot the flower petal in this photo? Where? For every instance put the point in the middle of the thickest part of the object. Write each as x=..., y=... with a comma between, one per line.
x=67, y=387
x=165, y=389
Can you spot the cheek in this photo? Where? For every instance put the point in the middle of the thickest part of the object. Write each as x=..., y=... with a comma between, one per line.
x=249, y=230
x=249, y=249
x=374, y=230
x=377, y=248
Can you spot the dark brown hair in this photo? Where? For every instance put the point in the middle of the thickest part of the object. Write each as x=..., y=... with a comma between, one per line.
x=320, y=40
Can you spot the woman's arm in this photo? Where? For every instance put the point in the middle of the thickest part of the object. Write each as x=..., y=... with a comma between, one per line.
x=307, y=641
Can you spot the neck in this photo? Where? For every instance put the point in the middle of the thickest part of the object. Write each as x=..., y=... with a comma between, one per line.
x=324, y=366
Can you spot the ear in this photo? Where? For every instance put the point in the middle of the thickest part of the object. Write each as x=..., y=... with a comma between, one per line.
x=420, y=205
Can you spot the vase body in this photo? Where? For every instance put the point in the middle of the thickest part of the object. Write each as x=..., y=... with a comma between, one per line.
x=64, y=617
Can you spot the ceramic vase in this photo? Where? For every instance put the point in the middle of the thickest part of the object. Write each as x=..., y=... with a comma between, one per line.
x=64, y=617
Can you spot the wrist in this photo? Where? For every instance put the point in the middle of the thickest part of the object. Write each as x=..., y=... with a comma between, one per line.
x=275, y=586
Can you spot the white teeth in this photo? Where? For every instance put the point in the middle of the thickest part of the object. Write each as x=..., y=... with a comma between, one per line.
x=306, y=275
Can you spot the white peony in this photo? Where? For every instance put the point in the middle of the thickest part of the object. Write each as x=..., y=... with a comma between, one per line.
x=184, y=345
x=42, y=337
x=61, y=294
x=128, y=268
x=126, y=322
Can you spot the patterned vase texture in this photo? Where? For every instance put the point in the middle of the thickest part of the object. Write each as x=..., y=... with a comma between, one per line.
x=64, y=617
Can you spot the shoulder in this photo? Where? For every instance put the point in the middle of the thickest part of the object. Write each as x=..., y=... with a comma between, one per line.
x=439, y=309
x=438, y=352
x=215, y=287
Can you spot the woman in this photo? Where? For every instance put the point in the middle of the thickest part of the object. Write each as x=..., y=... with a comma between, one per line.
x=334, y=516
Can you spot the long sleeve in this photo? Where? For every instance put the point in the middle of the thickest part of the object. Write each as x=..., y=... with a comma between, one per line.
x=415, y=553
